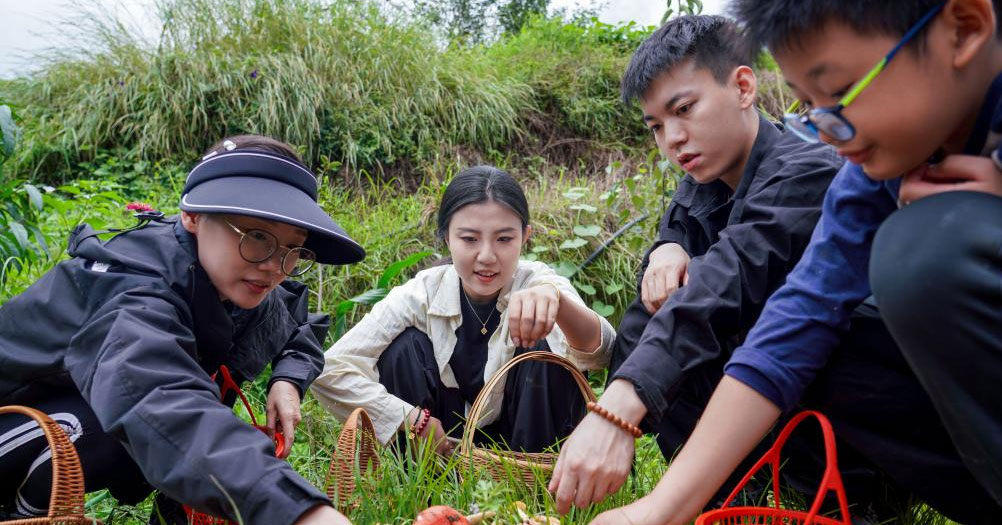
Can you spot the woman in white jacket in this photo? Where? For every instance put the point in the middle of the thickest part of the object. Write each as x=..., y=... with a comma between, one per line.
x=418, y=360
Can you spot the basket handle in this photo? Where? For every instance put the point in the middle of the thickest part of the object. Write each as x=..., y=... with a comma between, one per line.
x=229, y=384
x=480, y=403
x=357, y=435
x=67, y=497
x=830, y=481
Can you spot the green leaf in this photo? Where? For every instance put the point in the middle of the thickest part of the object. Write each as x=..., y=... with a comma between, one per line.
x=72, y=190
x=40, y=239
x=584, y=207
x=540, y=249
x=8, y=130
x=564, y=269
x=34, y=195
x=394, y=269
x=611, y=289
x=576, y=193
x=605, y=310
x=586, y=289
x=370, y=297
x=530, y=257
x=571, y=244
x=20, y=234
x=590, y=230
x=344, y=307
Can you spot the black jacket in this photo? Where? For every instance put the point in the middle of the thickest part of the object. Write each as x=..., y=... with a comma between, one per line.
x=742, y=244
x=136, y=327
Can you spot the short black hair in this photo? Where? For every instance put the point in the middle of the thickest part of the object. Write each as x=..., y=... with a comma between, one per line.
x=712, y=42
x=779, y=24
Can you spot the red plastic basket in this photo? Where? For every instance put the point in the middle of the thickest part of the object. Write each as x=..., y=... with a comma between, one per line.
x=831, y=481
x=200, y=518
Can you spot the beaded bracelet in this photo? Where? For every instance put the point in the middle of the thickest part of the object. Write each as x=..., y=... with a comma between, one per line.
x=422, y=421
x=634, y=430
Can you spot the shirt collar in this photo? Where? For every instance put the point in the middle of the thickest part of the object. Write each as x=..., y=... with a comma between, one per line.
x=768, y=134
x=445, y=302
x=989, y=120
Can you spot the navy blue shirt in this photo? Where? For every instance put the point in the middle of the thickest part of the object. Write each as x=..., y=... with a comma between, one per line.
x=804, y=320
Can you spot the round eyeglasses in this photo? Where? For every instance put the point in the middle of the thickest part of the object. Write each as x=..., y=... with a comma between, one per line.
x=257, y=246
x=830, y=120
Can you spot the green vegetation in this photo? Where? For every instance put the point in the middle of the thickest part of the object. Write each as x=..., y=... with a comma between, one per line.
x=387, y=113
x=349, y=82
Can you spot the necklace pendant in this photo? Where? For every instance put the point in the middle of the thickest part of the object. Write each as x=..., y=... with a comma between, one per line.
x=483, y=330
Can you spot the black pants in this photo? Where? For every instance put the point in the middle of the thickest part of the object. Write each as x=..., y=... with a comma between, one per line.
x=936, y=272
x=542, y=403
x=866, y=485
x=894, y=434
x=25, y=460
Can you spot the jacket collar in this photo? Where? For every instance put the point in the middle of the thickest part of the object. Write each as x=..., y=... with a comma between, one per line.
x=213, y=325
x=705, y=197
x=765, y=140
x=445, y=302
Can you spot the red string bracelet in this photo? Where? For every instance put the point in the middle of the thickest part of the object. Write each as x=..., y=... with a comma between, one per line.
x=632, y=429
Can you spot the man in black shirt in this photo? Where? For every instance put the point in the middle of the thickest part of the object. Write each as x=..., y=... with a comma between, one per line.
x=737, y=225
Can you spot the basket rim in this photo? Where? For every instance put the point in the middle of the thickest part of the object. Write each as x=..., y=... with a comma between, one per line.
x=736, y=512
x=466, y=446
x=66, y=496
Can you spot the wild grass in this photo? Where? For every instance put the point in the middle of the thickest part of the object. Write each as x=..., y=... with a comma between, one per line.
x=392, y=219
x=363, y=87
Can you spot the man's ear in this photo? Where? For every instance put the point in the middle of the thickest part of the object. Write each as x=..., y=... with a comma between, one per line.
x=744, y=79
x=191, y=221
x=970, y=25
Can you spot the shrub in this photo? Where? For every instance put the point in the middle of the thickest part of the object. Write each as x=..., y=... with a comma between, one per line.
x=346, y=80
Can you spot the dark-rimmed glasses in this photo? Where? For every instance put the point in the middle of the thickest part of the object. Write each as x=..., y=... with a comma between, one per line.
x=257, y=246
x=830, y=120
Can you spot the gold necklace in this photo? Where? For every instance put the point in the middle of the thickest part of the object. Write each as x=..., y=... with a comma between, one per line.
x=483, y=324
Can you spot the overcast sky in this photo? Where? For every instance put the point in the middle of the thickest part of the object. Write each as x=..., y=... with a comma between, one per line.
x=25, y=25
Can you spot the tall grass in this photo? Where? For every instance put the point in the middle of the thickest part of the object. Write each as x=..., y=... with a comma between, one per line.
x=346, y=80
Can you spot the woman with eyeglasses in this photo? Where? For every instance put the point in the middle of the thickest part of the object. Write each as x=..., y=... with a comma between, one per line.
x=121, y=345
x=420, y=358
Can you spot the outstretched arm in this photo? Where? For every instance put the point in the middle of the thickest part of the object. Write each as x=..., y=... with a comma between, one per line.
x=736, y=419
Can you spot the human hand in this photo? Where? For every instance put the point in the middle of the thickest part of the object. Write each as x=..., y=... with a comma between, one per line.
x=667, y=270
x=283, y=410
x=322, y=515
x=432, y=430
x=594, y=462
x=532, y=312
x=596, y=458
x=954, y=173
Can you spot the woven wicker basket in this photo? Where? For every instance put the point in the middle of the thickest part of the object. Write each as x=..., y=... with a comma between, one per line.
x=66, y=504
x=356, y=453
x=503, y=464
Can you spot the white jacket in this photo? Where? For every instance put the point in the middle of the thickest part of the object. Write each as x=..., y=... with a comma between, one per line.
x=430, y=303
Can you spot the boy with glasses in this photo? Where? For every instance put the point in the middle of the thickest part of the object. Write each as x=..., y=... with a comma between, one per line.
x=122, y=342
x=737, y=225
x=915, y=218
